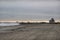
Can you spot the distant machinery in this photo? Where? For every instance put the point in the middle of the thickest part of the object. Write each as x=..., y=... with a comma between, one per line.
x=52, y=20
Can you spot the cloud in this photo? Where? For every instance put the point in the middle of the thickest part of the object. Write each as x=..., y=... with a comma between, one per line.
x=29, y=7
x=29, y=0
x=29, y=4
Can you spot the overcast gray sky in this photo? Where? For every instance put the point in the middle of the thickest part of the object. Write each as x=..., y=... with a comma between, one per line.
x=37, y=9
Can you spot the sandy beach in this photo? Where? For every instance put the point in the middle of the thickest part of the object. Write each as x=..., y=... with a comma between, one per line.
x=32, y=32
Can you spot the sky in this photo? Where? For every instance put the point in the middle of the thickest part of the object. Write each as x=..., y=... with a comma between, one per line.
x=29, y=9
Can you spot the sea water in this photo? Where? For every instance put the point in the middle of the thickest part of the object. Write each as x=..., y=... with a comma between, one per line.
x=4, y=26
x=9, y=24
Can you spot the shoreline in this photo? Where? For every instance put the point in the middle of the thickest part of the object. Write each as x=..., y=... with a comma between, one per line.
x=31, y=32
x=16, y=27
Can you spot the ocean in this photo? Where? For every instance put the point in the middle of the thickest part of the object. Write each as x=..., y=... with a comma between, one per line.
x=8, y=24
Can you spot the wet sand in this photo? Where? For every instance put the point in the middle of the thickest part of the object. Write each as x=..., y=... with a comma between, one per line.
x=32, y=32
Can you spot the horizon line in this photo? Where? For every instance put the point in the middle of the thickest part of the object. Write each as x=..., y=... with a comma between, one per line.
x=27, y=21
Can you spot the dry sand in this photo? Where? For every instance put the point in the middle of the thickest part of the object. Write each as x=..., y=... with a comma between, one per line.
x=33, y=32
